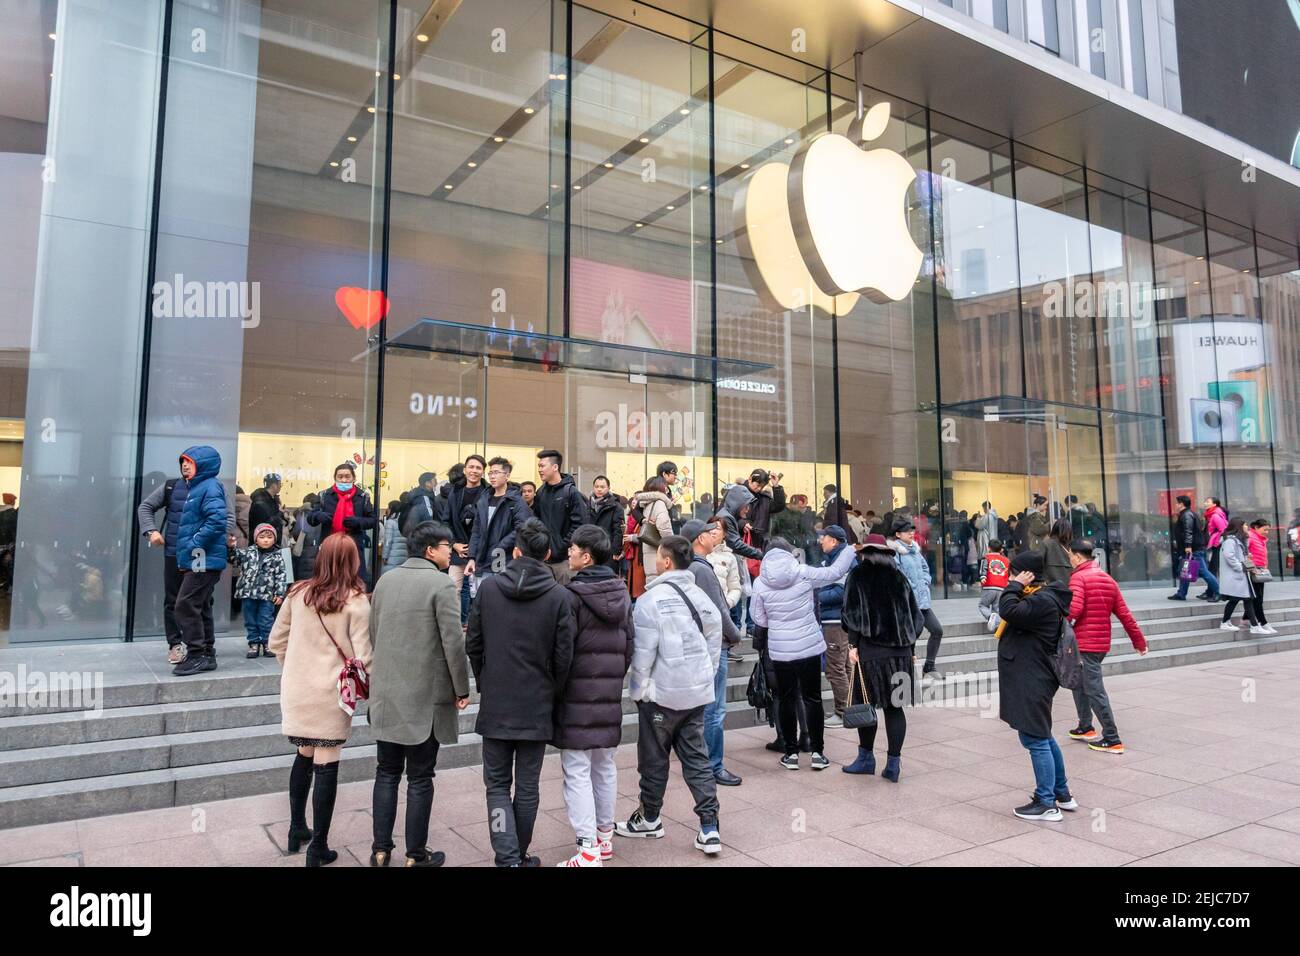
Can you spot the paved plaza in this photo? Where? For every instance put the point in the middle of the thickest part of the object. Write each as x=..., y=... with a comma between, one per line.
x=1211, y=777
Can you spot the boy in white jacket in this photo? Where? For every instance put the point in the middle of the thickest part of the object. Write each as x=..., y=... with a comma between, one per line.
x=675, y=653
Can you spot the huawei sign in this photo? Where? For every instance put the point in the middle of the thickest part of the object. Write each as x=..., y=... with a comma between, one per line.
x=831, y=225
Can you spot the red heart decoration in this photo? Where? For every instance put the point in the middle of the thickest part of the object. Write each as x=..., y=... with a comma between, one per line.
x=363, y=308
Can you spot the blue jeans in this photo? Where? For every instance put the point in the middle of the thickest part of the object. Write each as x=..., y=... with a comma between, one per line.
x=259, y=616
x=1049, y=768
x=1211, y=581
x=715, y=713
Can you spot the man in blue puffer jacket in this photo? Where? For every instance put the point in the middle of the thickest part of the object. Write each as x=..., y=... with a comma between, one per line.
x=201, y=557
x=907, y=553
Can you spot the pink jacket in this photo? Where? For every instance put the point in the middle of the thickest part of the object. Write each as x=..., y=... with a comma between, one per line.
x=1258, y=547
x=1216, y=522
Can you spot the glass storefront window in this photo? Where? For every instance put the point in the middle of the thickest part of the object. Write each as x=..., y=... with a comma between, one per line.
x=1279, y=300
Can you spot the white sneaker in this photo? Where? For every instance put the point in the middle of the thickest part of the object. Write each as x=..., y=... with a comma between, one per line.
x=1228, y=626
x=707, y=840
x=833, y=720
x=994, y=621
x=587, y=855
x=605, y=844
x=1269, y=629
x=1260, y=629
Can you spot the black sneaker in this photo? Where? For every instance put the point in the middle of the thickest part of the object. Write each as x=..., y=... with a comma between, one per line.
x=254, y=651
x=790, y=761
x=819, y=761
x=427, y=857
x=638, y=826
x=1176, y=597
x=194, y=664
x=1066, y=801
x=1033, y=810
x=776, y=746
x=528, y=861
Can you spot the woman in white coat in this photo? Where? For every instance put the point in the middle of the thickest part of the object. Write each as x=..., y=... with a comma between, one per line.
x=784, y=606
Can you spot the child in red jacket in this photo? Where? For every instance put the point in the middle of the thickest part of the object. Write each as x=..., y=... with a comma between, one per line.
x=995, y=571
x=1096, y=597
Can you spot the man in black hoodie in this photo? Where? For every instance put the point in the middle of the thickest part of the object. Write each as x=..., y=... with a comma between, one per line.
x=264, y=507
x=520, y=647
x=732, y=514
x=422, y=504
x=560, y=506
x=589, y=711
x=1033, y=615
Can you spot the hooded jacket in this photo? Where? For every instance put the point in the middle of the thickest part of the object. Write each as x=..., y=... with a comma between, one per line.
x=264, y=508
x=490, y=538
x=589, y=711
x=736, y=498
x=1216, y=522
x=1026, y=678
x=785, y=602
x=201, y=532
x=520, y=647
x=673, y=663
x=422, y=505
x=830, y=598
x=1095, y=598
x=562, y=507
x=915, y=568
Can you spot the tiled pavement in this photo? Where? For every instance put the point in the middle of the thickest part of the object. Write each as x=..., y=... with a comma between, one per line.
x=1211, y=778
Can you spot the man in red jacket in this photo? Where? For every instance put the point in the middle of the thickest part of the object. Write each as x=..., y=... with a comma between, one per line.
x=1096, y=598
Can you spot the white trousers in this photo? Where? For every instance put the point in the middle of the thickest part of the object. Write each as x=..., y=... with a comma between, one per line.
x=590, y=789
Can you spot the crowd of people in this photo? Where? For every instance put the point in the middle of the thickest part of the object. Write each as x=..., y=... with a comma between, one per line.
x=553, y=599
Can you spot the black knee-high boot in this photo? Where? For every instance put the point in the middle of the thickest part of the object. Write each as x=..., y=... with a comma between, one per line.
x=323, y=793
x=299, y=788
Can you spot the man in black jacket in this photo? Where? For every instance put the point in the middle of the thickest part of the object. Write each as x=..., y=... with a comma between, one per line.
x=560, y=506
x=422, y=504
x=520, y=647
x=462, y=508
x=1033, y=615
x=264, y=507
x=607, y=515
x=1188, y=542
x=767, y=502
x=499, y=517
x=589, y=711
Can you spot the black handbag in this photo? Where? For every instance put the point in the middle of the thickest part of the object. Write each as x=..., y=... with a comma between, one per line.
x=863, y=714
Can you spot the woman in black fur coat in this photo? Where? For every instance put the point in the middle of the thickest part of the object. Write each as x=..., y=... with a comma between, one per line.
x=882, y=619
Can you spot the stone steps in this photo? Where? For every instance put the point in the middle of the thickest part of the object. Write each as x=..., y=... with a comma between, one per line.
x=163, y=741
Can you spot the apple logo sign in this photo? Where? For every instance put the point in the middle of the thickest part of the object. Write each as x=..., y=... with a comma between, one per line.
x=847, y=210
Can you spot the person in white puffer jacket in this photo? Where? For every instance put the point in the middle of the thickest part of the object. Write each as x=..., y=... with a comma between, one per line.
x=784, y=606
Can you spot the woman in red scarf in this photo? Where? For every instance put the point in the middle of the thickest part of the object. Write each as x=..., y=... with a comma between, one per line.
x=345, y=508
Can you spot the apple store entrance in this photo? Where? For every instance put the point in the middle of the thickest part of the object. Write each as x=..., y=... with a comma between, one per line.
x=1013, y=457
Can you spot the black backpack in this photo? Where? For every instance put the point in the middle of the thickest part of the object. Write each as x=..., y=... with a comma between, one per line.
x=1066, y=662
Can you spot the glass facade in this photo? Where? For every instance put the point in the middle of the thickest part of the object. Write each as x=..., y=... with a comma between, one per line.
x=397, y=233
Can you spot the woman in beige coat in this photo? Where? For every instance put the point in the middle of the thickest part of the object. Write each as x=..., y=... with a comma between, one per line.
x=327, y=613
x=654, y=503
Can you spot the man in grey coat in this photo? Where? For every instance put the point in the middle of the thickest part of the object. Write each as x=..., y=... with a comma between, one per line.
x=704, y=539
x=419, y=683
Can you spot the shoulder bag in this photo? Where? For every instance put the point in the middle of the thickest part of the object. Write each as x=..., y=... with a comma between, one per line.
x=353, y=682
x=1067, y=663
x=863, y=714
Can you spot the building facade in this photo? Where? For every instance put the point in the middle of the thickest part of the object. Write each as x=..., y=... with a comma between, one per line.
x=397, y=232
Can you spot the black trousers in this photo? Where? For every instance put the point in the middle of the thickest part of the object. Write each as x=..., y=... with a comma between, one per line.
x=1258, y=587
x=171, y=587
x=511, y=820
x=660, y=731
x=419, y=761
x=1247, y=607
x=795, y=680
x=194, y=610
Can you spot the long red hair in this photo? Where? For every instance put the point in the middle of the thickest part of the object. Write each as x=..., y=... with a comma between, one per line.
x=337, y=576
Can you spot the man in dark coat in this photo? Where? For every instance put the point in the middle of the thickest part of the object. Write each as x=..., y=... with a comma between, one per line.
x=264, y=507
x=607, y=515
x=499, y=514
x=520, y=647
x=769, y=498
x=423, y=503
x=560, y=506
x=1033, y=616
x=589, y=709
